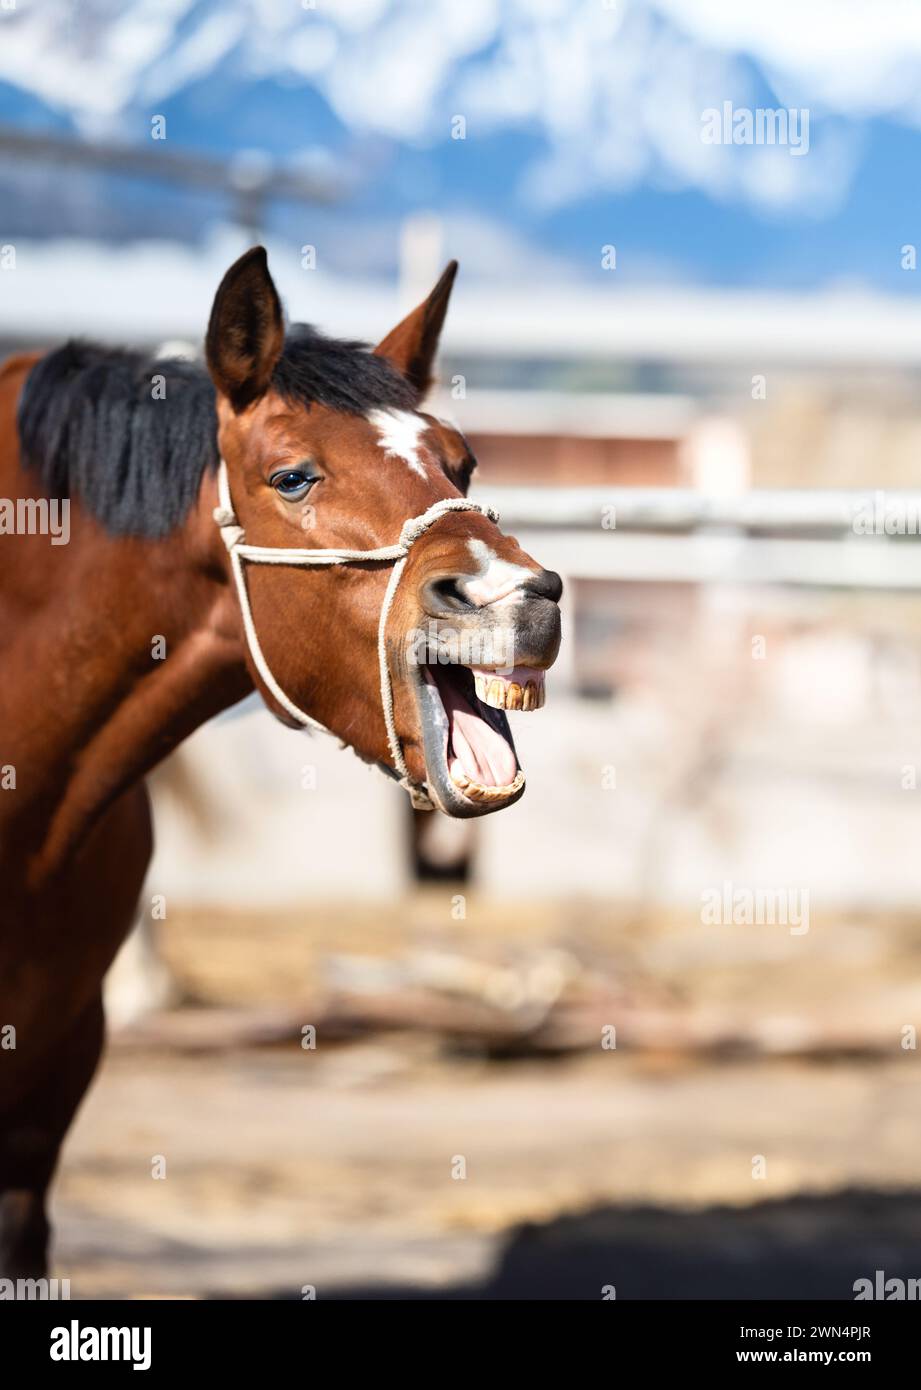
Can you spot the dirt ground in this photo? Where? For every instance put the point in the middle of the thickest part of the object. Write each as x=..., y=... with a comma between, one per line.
x=414, y=1164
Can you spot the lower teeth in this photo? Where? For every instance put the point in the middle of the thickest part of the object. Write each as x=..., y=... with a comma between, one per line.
x=477, y=792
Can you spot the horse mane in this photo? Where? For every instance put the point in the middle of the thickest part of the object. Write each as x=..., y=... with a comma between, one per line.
x=94, y=422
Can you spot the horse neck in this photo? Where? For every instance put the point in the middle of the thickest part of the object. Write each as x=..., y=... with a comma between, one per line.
x=115, y=649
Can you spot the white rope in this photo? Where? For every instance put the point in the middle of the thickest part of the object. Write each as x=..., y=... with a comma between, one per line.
x=232, y=534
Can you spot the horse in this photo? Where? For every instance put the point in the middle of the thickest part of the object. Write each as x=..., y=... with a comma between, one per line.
x=406, y=627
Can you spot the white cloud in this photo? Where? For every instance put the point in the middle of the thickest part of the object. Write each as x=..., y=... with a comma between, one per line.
x=613, y=92
x=850, y=55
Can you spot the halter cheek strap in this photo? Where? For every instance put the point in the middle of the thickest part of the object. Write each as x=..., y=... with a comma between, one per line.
x=233, y=537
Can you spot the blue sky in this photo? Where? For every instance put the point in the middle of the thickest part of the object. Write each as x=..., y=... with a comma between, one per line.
x=583, y=128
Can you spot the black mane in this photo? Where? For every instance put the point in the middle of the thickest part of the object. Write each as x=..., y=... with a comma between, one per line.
x=94, y=422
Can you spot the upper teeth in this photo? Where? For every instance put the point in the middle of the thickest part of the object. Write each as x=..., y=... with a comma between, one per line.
x=524, y=690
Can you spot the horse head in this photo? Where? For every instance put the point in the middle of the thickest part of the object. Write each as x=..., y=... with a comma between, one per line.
x=411, y=656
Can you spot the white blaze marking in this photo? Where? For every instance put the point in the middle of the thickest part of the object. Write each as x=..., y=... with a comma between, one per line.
x=497, y=579
x=400, y=432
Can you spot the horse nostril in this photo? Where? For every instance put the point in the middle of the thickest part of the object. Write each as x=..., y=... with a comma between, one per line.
x=446, y=595
x=463, y=593
x=545, y=584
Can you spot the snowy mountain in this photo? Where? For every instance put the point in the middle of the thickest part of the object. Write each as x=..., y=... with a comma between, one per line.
x=581, y=125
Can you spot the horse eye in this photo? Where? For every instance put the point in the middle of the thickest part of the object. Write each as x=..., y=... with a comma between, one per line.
x=293, y=484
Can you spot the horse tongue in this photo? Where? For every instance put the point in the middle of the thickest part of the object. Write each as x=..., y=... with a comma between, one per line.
x=479, y=750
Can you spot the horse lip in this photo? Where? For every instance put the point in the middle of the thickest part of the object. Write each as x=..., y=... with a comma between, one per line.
x=433, y=721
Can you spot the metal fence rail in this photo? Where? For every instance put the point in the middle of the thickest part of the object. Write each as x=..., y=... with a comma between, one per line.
x=844, y=539
x=793, y=511
x=250, y=181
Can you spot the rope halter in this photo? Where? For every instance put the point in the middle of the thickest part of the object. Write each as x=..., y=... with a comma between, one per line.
x=232, y=535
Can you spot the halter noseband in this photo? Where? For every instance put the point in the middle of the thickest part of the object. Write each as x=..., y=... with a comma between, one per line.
x=232, y=536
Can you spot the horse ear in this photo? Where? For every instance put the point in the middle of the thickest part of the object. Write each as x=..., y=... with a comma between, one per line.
x=246, y=331
x=412, y=345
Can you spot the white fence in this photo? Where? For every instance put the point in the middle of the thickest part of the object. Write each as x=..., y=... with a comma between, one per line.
x=836, y=539
x=829, y=511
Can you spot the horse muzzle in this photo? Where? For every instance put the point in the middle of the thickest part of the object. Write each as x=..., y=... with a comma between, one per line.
x=468, y=667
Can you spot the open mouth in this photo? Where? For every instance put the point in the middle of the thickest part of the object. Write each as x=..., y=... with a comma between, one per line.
x=471, y=764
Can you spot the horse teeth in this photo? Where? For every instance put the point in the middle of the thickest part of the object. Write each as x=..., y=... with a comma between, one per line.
x=496, y=695
x=477, y=792
x=501, y=692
